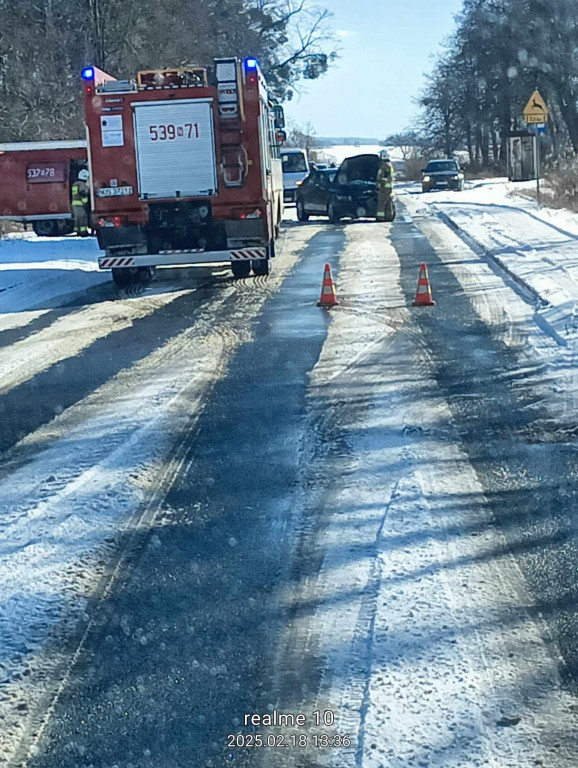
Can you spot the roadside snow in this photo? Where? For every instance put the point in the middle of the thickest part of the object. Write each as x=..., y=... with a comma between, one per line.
x=537, y=246
x=544, y=333
x=35, y=271
x=71, y=334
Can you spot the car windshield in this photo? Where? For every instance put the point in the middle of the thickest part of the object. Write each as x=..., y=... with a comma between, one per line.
x=294, y=162
x=436, y=166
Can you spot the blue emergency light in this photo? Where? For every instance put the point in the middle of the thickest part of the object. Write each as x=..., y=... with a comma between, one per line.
x=251, y=63
x=88, y=73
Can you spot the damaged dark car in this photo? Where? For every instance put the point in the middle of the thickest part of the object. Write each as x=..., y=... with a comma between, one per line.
x=350, y=193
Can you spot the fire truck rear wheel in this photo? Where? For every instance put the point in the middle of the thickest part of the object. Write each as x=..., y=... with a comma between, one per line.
x=122, y=277
x=241, y=269
x=260, y=266
x=145, y=274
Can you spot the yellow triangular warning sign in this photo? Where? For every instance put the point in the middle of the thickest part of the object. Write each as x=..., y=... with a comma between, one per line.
x=536, y=107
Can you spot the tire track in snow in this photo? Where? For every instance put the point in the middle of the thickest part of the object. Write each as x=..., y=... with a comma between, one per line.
x=324, y=639
x=68, y=336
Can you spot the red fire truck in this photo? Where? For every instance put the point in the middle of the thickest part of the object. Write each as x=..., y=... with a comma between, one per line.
x=35, y=182
x=185, y=168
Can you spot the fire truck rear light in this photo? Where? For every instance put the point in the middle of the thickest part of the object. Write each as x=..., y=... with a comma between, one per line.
x=115, y=221
x=88, y=73
x=256, y=214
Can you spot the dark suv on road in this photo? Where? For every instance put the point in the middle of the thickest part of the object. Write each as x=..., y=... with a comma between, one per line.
x=442, y=174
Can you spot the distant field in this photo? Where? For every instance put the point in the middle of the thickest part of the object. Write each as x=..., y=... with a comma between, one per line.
x=340, y=151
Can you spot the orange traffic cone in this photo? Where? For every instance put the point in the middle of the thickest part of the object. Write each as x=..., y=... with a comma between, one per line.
x=423, y=297
x=328, y=297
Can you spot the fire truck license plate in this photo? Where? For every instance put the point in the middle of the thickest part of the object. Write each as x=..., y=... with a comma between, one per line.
x=113, y=191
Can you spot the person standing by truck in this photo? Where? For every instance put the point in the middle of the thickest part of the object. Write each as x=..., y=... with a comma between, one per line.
x=81, y=203
x=385, y=209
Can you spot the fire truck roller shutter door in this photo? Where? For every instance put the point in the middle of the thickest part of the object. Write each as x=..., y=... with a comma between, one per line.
x=175, y=147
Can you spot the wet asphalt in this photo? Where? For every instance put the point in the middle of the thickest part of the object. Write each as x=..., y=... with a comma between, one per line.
x=185, y=646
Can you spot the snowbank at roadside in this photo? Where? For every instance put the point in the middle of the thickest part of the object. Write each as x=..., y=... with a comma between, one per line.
x=538, y=247
x=34, y=271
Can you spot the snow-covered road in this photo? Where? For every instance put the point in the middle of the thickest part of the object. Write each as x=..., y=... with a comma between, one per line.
x=72, y=485
x=430, y=656
x=217, y=499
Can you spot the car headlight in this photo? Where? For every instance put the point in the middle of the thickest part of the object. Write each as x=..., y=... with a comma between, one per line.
x=455, y=178
x=426, y=178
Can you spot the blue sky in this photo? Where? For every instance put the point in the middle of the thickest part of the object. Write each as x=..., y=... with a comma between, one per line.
x=387, y=47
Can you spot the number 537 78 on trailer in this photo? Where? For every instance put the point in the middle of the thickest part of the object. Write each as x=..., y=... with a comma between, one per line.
x=185, y=168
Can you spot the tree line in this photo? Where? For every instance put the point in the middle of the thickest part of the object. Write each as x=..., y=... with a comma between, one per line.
x=44, y=44
x=500, y=51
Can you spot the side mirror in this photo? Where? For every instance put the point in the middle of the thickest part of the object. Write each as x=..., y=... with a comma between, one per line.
x=280, y=136
x=279, y=116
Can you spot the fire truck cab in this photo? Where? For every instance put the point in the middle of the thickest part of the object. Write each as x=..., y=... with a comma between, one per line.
x=185, y=168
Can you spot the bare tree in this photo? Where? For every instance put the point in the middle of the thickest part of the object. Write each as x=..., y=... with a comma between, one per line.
x=501, y=51
x=304, y=137
x=44, y=44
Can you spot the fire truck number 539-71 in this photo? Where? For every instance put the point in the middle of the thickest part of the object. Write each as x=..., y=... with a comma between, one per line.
x=170, y=132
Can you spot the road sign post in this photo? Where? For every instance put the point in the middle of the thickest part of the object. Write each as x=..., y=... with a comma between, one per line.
x=536, y=116
x=537, y=145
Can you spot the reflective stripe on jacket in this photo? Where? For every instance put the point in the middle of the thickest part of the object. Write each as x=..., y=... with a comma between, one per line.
x=385, y=175
x=80, y=193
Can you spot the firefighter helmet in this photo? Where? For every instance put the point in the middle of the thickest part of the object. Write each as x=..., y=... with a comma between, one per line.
x=83, y=175
x=384, y=154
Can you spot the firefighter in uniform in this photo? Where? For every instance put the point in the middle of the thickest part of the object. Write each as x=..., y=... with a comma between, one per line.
x=81, y=203
x=384, y=187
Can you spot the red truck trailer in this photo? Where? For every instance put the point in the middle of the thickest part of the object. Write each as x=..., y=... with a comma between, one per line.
x=35, y=183
x=185, y=168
